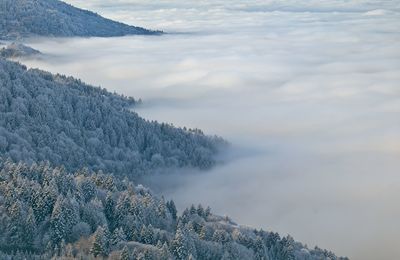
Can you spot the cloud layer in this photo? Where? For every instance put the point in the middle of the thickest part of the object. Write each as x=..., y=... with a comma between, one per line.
x=307, y=92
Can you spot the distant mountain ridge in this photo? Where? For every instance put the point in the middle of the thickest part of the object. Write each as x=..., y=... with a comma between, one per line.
x=24, y=18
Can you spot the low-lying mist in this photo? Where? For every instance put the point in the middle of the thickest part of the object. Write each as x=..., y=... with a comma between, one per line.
x=307, y=93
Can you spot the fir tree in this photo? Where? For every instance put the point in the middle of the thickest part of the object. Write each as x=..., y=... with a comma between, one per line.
x=99, y=247
x=118, y=236
x=124, y=253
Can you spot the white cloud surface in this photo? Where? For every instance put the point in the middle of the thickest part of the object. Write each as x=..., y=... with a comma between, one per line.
x=307, y=91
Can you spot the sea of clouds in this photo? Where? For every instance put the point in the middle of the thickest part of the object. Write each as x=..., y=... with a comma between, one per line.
x=307, y=92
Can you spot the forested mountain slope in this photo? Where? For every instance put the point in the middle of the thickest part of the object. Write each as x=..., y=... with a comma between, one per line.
x=23, y=18
x=15, y=50
x=47, y=212
x=45, y=117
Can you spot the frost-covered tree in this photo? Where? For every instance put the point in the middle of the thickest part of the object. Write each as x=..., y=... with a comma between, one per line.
x=125, y=254
x=30, y=230
x=63, y=219
x=181, y=245
x=172, y=208
x=260, y=251
x=100, y=243
x=118, y=236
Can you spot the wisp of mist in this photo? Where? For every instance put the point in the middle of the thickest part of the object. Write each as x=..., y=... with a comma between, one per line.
x=307, y=93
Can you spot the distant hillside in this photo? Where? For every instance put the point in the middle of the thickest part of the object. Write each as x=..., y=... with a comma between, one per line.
x=14, y=50
x=48, y=213
x=23, y=18
x=45, y=117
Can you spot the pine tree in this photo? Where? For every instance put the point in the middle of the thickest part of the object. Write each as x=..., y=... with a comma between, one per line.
x=147, y=234
x=118, y=236
x=287, y=245
x=141, y=256
x=99, y=247
x=208, y=211
x=16, y=233
x=165, y=254
x=87, y=188
x=260, y=251
x=192, y=210
x=200, y=211
x=124, y=253
x=182, y=246
x=172, y=209
x=63, y=218
x=185, y=217
x=203, y=233
x=162, y=208
x=30, y=230
x=159, y=244
x=44, y=200
x=109, y=209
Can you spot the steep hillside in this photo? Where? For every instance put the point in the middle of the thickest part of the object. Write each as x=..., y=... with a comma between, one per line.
x=23, y=18
x=47, y=212
x=45, y=117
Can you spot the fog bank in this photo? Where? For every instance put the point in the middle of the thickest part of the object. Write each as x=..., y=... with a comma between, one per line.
x=307, y=93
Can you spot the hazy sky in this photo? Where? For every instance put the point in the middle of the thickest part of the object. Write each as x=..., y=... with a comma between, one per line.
x=307, y=93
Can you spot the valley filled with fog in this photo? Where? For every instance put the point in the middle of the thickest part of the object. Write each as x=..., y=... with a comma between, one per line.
x=307, y=94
